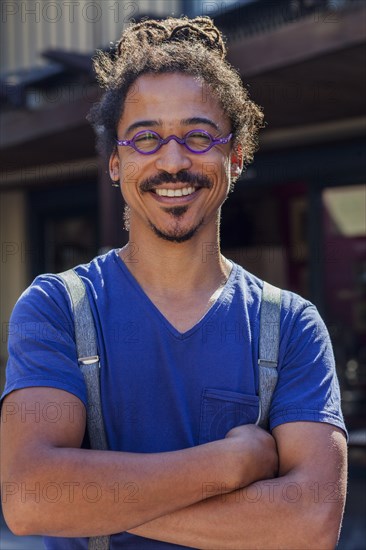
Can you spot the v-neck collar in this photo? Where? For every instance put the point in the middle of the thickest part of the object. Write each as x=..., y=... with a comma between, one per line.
x=150, y=304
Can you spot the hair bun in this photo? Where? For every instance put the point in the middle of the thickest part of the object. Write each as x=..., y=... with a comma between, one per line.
x=148, y=33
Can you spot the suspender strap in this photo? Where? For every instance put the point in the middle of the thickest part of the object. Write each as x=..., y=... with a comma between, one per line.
x=88, y=359
x=269, y=340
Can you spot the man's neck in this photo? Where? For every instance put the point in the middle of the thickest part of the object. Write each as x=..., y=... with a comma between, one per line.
x=177, y=269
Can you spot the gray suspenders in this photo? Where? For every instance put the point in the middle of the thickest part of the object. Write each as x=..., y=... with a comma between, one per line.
x=269, y=341
x=88, y=360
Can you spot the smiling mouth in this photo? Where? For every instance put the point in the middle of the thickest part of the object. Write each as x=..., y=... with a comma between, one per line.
x=175, y=192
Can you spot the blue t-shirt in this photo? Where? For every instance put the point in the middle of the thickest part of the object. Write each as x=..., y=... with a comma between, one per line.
x=163, y=390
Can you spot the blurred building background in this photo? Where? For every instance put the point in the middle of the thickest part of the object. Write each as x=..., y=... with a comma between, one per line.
x=298, y=215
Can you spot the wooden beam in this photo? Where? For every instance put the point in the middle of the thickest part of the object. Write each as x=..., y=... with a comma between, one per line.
x=312, y=36
x=312, y=133
x=21, y=126
x=42, y=174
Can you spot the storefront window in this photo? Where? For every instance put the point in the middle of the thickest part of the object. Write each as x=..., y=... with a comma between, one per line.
x=266, y=231
x=344, y=230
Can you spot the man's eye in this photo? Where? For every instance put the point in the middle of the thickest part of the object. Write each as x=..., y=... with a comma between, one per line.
x=198, y=139
x=145, y=137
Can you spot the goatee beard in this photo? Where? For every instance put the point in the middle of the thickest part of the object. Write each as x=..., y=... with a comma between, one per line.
x=176, y=211
x=176, y=235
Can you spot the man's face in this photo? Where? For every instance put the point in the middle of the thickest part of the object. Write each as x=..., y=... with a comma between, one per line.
x=172, y=104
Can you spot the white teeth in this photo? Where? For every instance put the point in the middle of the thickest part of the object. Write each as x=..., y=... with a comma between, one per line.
x=175, y=192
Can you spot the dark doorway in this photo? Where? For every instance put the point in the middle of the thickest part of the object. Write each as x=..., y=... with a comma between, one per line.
x=63, y=226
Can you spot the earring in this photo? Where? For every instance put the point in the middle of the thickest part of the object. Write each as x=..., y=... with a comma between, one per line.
x=235, y=170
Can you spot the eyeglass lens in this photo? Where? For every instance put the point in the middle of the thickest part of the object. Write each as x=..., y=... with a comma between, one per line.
x=148, y=141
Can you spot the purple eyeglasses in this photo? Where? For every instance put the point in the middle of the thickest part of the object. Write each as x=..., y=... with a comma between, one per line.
x=148, y=142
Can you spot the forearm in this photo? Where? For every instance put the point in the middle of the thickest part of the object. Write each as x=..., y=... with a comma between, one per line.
x=75, y=492
x=287, y=512
x=52, y=487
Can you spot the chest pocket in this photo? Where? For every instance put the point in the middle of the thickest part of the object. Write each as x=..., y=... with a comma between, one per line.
x=223, y=410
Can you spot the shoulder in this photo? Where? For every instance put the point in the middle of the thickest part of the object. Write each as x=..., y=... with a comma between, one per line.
x=41, y=337
x=302, y=329
x=293, y=306
x=45, y=307
x=303, y=334
x=50, y=287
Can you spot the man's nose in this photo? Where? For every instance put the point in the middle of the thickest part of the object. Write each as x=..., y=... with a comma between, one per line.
x=173, y=157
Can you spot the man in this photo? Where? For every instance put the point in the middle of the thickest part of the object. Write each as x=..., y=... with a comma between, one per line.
x=187, y=464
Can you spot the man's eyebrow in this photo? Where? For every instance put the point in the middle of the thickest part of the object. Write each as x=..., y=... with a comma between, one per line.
x=186, y=122
x=142, y=124
x=200, y=120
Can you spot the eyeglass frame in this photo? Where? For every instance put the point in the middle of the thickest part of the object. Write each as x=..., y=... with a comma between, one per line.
x=181, y=141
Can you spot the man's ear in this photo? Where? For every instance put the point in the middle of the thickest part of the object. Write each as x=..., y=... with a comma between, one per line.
x=114, y=167
x=236, y=161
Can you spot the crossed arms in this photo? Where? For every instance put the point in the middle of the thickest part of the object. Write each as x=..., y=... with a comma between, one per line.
x=249, y=490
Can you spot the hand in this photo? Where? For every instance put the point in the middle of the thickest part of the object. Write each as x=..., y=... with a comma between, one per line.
x=255, y=452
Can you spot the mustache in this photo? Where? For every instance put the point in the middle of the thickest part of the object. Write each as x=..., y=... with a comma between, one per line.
x=196, y=179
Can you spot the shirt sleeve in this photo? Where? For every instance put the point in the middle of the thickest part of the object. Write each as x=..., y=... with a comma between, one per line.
x=307, y=387
x=41, y=342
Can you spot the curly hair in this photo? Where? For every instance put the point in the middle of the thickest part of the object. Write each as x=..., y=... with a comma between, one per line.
x=190, y=46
